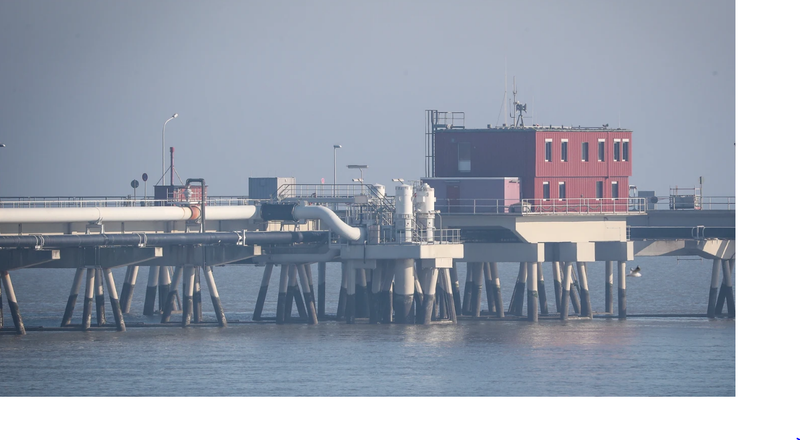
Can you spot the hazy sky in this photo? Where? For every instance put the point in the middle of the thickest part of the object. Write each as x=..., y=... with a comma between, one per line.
x=265, y=88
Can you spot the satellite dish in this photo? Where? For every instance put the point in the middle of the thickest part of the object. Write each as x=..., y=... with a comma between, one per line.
x=134, y=183
x=144, y=177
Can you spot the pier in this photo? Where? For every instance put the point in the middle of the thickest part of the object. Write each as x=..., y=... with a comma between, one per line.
x=397, y=255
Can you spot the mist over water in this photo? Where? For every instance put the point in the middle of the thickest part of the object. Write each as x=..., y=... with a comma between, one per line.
x=602, y=357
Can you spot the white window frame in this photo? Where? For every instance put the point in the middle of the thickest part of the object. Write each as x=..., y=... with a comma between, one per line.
x=599, y=141
x=564, y=150
x=545, y=150
x=562, y=185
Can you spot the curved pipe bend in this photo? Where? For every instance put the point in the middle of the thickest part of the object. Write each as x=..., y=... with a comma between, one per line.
x=305, y=212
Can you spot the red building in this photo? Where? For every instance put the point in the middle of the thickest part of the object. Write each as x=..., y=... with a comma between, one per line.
x=553, y=163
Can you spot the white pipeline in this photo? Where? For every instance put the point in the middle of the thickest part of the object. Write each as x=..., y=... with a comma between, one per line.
x=124, y=214
x=305, y=212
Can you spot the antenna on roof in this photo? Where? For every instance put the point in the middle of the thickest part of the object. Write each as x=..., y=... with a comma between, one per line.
x=505, y=91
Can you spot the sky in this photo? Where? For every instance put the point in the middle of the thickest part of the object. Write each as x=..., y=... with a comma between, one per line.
x=266, y=88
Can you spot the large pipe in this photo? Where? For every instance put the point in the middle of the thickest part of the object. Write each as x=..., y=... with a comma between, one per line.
x=160, y=239
x=126, y=214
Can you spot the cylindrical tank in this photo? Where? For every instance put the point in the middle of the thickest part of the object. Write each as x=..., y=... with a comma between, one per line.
x=380, y=190
x=424, y=206
x=404, y=214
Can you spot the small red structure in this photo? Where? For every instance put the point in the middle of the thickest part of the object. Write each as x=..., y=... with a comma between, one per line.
x=553, y=163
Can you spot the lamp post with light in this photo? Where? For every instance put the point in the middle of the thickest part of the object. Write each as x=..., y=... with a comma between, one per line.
x=361, y=169
x=163, y=135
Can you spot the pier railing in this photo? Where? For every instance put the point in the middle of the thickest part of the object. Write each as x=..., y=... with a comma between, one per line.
x=543, y=206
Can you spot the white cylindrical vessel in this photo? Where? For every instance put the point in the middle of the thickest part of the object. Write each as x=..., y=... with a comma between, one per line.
x=404, y=214
x=424, y=203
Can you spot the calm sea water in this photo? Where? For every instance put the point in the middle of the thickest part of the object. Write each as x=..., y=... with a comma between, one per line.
x=641, y=356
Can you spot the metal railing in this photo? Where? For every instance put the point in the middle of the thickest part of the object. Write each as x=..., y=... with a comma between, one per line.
x=440, y=236
x=107, y=202
x=544, y=206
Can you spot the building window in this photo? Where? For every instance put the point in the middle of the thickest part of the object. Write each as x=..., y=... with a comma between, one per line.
x=548, y=150
x=625, y=143
x=601, y=150
x=614, y=190
x=585, y=151
x=616, y=150
x=562, y=190
x=464, y=157
x=598, y=189
x=546, y=190
x=563, y=150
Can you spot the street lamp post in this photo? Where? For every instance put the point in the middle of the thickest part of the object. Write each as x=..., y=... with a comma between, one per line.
x=163, y=134
x=335, y=147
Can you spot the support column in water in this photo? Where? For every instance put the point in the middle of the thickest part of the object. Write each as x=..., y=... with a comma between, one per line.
x=489, y=284
x=574, y=294
x=518, y=295
x=340, y=310
x=294, y=292
x=173, y=292
x=557, y=289
x=403, y=290
x=531, y=281
x=455, y=290
x=541, y=290
x=100, y=298
x=262, y=291
x=321, y=289
x=621, y=291
x=498, y=295
x=215, y=301
x=13, y=307
x=387, y=308
x=127, y=288
x=197, y=312
x=477, y=287
x=350, y=303
x=469, y=283
x=586, y=300
x=374, y=297
x=305, y=287
x=565, y=291
x=448, y=290
x=609, y=287
x=188, y=294
x=430, y=278
x=152, y=290
x=119, y=321
x=362, y=296
x=73, y=296
x=714, y=289
x=164, y=289
x=283, y=286
x=86, y=321
x=727, y=284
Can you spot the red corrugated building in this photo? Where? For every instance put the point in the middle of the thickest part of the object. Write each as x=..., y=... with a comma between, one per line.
x=552, y=162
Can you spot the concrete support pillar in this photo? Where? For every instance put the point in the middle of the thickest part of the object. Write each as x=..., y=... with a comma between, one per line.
x=262, y=291
x=310, y=277
x=469, y=283
x=321, y=289
x=586, y=300
x=308, y=295
x=403, y=290
x=1, y=305
x=531, y=281
x=282, y=288
x=714, y=289
x=430, y=278
x=541, y=290
x=455, y=290
x=342, y=293
x=13, y=307
x=448, y=290
x=119, y=321
x=621, y=291
x=565, y=290
x=609, y=287
x=574, y=293
x=86, y=321
x=100, y=297
x=215, y=301
x=164, y=289
x=294, y=292
x=489, y=283
x=518, y=296
x=188, y=294
x=498, y=295
x=173, y=291
x=727, y=284
x=375, y=293
x=418, y=306
x=386, y=291
x=152, y=290
x=362, y=295
x=73, y=296
x=197, y=312
x=557, y=289
x=131, y=274
x=350, y=304
x=477, y=287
